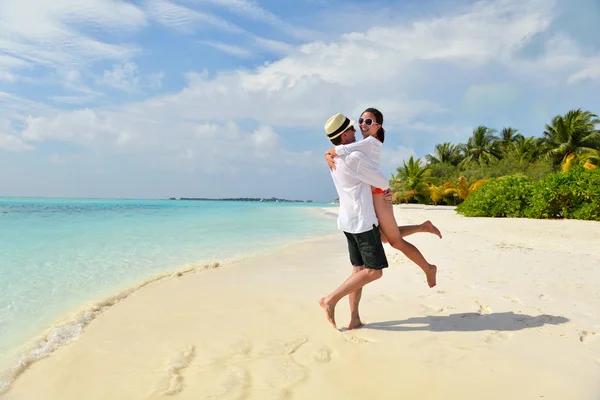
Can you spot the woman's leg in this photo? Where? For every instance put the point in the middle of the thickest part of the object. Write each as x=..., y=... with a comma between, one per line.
x=427, y=226
x=389, y=228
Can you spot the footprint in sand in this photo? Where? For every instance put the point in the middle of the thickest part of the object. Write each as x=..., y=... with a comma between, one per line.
x=496, y=337
x=241, y=349
x=278, y=374
x=427, y=309
x=513, y=299
x=234, y=386
x=354, y=339
x=545, y=297
x=322, y=355
x=286, y=347
x=586, y=335
x=483, y=308
x=172, y=383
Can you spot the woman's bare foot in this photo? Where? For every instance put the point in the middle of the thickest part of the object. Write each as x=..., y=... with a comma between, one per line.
x=329, y=311
x=355, y=323
x=431, y=275
x=429, y=227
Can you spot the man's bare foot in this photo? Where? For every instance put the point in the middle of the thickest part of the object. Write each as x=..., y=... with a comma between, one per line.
x=431, y=275
x=429, y=227
x=329, y=311
x=355, y=323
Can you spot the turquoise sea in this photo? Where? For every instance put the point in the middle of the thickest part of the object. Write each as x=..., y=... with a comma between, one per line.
x=60, y=259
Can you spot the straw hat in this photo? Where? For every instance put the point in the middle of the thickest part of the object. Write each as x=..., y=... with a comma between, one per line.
x=336, y=125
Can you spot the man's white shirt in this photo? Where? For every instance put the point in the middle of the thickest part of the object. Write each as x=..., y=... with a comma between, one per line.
x=353, y=176
x=370, y=146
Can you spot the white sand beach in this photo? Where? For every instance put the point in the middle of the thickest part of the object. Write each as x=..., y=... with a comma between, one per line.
x=515, y=315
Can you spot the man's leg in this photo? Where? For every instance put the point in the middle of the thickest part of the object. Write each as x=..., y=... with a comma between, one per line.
x=354, y=298
x=355, y=282
x=365, y=249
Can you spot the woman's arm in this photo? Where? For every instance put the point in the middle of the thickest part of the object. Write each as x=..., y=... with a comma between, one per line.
x=363, y=146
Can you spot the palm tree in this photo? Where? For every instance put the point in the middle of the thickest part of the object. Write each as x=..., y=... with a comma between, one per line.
x=508, y=137
x=440, y=192
x=590, y=160
x=572, y=133
x=445, y=153
x=482, y=145
x=411, y=180
x=525, y=149
x=461, y=188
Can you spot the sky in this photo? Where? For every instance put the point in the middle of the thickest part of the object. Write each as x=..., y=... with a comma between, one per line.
x=228, y=98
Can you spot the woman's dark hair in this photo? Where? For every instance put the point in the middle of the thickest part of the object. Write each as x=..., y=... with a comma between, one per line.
x=379, y=119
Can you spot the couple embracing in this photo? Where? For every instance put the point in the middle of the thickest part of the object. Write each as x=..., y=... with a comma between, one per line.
x=366, y=214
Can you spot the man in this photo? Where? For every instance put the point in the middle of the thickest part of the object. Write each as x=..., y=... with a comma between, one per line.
x=353, y=178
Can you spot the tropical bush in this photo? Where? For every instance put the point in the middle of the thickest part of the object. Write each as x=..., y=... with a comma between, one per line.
x=572, y=194
x=506, y=196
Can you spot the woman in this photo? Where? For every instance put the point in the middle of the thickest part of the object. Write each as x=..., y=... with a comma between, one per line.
x=370, y=123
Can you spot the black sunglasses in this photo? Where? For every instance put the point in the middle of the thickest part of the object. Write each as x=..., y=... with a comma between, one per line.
x=367, y=121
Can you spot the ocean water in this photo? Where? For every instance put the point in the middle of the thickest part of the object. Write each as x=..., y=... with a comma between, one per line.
x=60, y=259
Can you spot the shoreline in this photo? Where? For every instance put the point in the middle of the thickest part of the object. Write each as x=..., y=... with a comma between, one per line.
x=70, y=328
x=510, y=308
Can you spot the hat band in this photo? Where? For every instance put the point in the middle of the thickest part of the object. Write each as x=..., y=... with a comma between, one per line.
x=339, y=130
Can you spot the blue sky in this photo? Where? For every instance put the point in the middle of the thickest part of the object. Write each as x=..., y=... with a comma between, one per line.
x=227, y=98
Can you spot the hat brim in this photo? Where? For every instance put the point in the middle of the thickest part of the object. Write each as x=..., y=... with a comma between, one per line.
x=348, y=125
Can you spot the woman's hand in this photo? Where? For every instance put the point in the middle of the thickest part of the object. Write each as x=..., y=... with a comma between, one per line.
x=387, y=195
x=329, y=157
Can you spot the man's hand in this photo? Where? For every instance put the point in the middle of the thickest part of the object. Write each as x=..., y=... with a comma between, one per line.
x=329, y=156
x=387, y=195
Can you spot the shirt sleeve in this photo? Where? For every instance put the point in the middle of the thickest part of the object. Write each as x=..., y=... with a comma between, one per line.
x=367, y=171
x=363, y=146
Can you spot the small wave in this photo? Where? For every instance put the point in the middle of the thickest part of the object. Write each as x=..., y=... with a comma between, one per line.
x=330, y=212
x=70, y=329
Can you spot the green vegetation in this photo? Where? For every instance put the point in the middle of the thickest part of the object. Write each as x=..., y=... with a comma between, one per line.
x=510, y=175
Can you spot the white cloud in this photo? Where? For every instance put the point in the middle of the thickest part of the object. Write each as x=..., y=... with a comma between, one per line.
x=155, y=80
x=12, y=143
x=51, y=33
x=9, y=139
x=274, y=46
x=248, y=9
x=185, y=19
x=209, y=148
x=8, y=64
x=124, y=76
x=72, y=99
x=592, y=73
x=127, y=77
x=235, y=51
x=16, y=108
x=73, y=80
x=251, y=9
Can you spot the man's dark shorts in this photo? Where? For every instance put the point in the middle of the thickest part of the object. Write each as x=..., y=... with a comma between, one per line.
x=366, y=249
